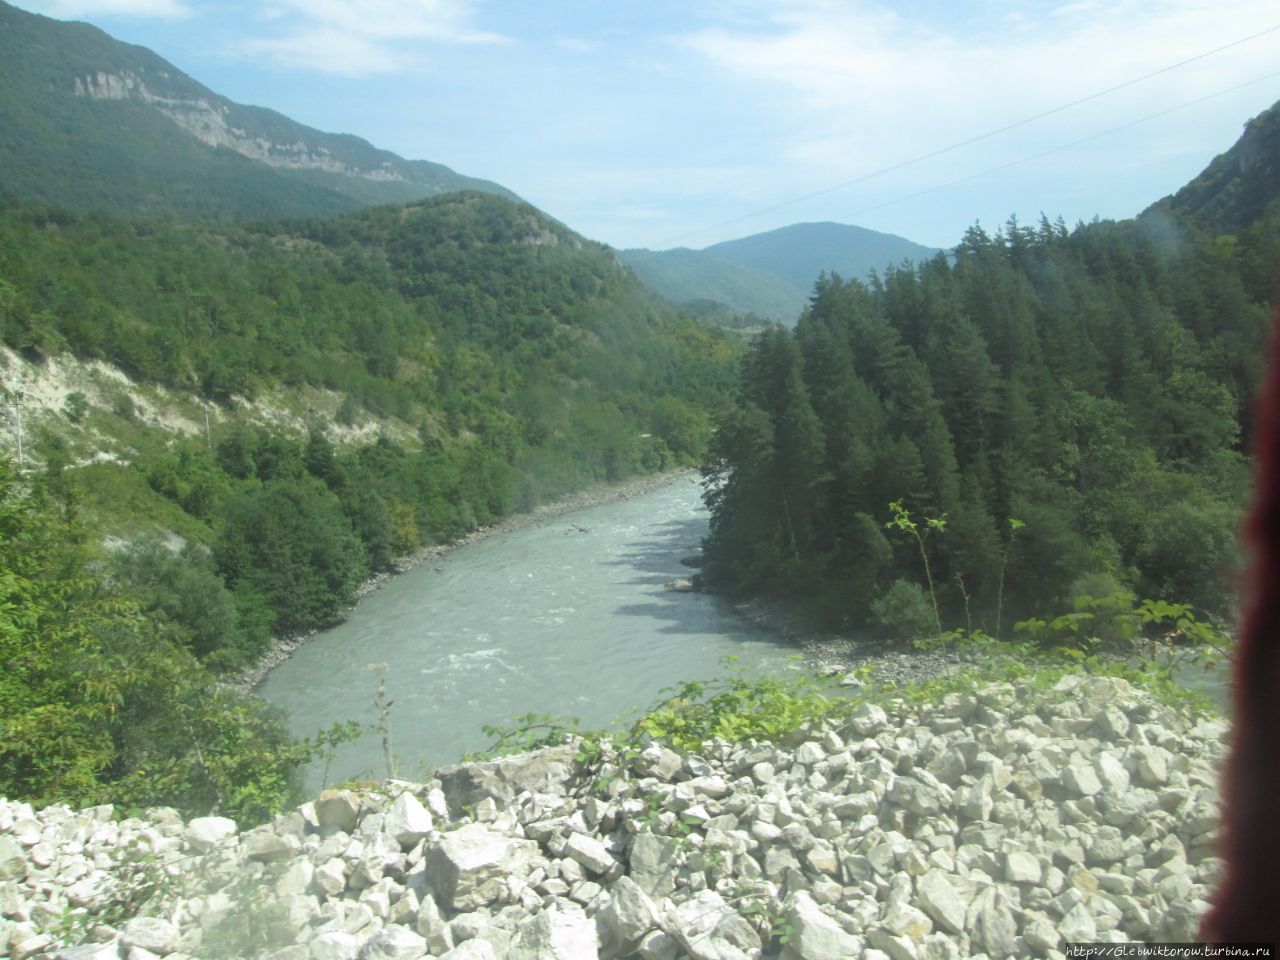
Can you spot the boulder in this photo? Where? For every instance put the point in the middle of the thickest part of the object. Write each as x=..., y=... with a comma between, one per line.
x=555, y=934
x=468, y=866
x=815, y=936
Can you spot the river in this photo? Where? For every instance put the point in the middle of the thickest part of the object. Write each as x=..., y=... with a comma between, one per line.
x=567, y=617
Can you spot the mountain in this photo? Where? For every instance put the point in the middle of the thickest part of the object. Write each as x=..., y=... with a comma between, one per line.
x=1240, y=186
x=92, y=123
x=684, y=276
x=771, y=274
x=801, y=252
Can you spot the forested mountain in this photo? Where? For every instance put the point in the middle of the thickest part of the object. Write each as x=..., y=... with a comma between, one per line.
x=686, y=276
x=1239, y=187
x=93, y=123
x=802, y=252
x=1054, y=413
x=770, y=275
x=530, y=361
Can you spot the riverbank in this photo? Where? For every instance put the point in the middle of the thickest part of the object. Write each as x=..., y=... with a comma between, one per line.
x=593, y=496
x=833, y=654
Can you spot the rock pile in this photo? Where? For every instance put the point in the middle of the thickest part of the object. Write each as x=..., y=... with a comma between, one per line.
x=1002, y=823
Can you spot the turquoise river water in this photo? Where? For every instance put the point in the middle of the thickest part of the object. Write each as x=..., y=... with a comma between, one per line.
x=568, y=617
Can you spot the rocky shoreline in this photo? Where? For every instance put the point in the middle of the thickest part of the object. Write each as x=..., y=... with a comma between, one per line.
x=1000, y=823
x=595, y=495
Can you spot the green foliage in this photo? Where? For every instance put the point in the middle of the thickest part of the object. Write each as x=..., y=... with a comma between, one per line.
x=101, y=702
x=289, y=542
x=737, y=708
x=1078, y=382
x=905, y=612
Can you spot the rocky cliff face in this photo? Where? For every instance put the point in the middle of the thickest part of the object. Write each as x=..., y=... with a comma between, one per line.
x=1003, y=823
x=209, y=122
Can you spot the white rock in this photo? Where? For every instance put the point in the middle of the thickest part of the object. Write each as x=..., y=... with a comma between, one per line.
x=407, y=820
x=555, y=934
x=339, y=809
x=1022, y=867
x=628, y=916
x=710, y=929
x=205, y=833
x=589, y=852
x=335, y=945
x=815, y=936
x=471, y=950
x=151, y=933
x=939, y=898
x=395, y=942
x=468, y=867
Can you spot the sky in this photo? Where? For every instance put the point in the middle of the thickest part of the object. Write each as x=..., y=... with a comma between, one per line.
x=665, y=123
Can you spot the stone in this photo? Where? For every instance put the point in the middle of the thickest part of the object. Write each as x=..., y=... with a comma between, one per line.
x=1079, y=778
x=543, y=771
x=814, y=935
x=335, y=945
x=940, y=900
x=1078, y=926
x=555, y=934
x=659, y=946
x=407, y=821
x=395, y=942
x=468, y=867
x=88, y=951
x=1152, y=764
x=1039, y=932
x=628, y=916
x=151, y=933
x=1023, y=867
x=471, y=950
x=996, y=925
x=268, y=847
x=709, y=929
x=1114, y=777
x=589, y=852
x=868, y=718
x=338, y=809
x=205, y=833
x=905, y=920
x=652, y=863
x=13, y=860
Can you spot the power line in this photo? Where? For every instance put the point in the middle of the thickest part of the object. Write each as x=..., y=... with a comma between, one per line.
x=1064, y=146
x=982, y=136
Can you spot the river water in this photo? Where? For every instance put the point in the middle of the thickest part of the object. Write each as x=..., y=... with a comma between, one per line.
x=567, y=617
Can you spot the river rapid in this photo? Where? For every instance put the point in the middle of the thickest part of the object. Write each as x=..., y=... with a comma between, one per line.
x=568, y=616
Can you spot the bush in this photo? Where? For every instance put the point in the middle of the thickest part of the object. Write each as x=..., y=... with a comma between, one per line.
x=904, y=611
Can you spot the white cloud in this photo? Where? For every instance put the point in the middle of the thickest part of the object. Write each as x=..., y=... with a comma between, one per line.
x=74, y=9
x=844, y=73
x=358, y=37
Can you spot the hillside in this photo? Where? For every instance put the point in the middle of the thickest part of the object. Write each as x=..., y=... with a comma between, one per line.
x=93, y=123
x=684, y=276
x=800, y=253
x=1240, y=187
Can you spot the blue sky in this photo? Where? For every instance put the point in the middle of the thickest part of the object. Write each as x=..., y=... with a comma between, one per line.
x=665, y=123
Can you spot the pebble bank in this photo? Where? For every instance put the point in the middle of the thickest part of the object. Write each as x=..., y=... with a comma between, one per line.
x=1000, y=823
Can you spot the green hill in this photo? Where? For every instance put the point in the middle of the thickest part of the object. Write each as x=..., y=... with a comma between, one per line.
x=800, y=253
x=684, y=276
x=92, y=123
x=1239, y=187
x=771, y=275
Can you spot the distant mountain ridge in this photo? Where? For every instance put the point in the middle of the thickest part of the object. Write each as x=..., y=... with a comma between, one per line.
x=90, y=122
x=772, y=274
